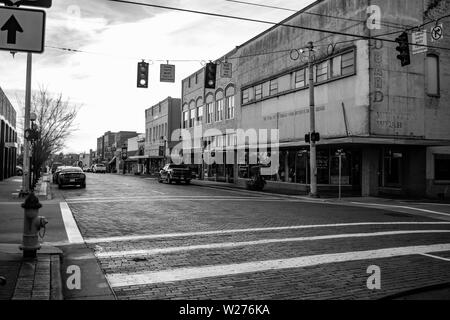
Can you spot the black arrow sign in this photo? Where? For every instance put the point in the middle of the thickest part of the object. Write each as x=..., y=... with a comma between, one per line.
x=12, y=26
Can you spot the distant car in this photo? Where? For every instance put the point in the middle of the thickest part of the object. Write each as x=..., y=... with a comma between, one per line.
x=71, y=176
x=99, y=168
x=55, y=166
x=175, y=172
x=19, y=171
x=87, y=169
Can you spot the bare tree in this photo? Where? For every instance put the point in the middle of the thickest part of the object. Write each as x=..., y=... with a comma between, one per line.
x=55, y=123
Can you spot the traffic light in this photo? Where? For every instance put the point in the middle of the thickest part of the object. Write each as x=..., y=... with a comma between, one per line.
x=403, y=49
x=142, y=75
x=315, y=137
x=210, y=75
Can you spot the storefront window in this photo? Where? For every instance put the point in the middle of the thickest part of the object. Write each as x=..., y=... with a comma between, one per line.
x=392, y=167
x=323, y=167
x=442, y=167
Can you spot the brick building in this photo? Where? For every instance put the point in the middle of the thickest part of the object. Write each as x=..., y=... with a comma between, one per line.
x=161, y=120
x=8, y=138
x=390, y=121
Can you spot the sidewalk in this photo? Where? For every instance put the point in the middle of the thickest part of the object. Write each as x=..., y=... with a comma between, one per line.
x=33, y=279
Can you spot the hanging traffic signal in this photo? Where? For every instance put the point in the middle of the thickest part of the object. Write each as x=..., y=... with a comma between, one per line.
x=142, y=75
x=314, y=137
x=403, y=49
x=210, y=75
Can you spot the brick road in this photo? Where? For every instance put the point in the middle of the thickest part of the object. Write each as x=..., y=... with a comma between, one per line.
x=159, y=241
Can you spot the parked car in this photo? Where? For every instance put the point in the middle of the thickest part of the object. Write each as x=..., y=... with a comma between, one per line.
x=175, y=172
x=56, y=173
x=99, y=168
x=55, y=166
x=19, y=171
x=87, y=169
x=71, y=176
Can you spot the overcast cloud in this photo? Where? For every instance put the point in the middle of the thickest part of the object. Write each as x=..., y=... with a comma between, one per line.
x=118, y=35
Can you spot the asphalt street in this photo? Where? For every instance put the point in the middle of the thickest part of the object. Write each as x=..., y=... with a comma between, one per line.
x=160, y=241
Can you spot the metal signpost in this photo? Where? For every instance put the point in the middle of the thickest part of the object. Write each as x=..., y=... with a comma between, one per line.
x=340, y=153
x=23, y=30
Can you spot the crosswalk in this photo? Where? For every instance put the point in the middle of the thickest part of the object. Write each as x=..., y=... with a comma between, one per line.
x=241, y=256
x=133, y=265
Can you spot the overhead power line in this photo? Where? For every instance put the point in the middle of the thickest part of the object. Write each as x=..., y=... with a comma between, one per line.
x=391, y=24
x=271, y=23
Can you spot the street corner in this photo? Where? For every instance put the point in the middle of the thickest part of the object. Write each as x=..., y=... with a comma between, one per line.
x=82, y=277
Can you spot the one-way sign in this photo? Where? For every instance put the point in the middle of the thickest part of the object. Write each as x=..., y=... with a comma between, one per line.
x=22, y=29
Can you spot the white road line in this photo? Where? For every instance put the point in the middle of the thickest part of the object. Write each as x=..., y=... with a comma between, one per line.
x=180, y=274
x=224, y=245
x=186, y=199
x=231, y=231
x=430, y=203
x=435, y=257
x=154, y=197
x=158, y=192
x=73, y=233
x=402, y=207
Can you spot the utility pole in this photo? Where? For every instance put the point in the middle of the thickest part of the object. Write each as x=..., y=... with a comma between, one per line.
x=26, y=144
x=312, y=119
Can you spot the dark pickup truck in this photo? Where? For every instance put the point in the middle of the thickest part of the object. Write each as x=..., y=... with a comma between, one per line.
x=175, y=172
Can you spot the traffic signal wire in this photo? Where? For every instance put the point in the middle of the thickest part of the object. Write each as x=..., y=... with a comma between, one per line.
x=219, y=15
x=386, y=24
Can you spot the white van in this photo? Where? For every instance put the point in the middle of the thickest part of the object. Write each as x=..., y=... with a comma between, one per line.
x=99, y=168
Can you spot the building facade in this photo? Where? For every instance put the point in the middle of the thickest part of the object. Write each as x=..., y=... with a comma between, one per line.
x=86, y=159
x=391, y=122
x=135, y=155
x=108, y=145
x=8, y=138
x=161, y=122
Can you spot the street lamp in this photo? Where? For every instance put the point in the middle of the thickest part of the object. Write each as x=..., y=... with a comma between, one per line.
x=124, y=155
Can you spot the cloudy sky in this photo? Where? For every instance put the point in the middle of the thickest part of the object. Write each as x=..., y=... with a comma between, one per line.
x=117, y=35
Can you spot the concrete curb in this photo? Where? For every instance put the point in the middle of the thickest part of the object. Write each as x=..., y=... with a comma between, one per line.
x=56, y=282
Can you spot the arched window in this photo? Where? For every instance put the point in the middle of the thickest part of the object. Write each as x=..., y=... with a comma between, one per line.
x=192, y=111
x=209, y=108
x=199, y=110
x=219, y=105
x=230, y=103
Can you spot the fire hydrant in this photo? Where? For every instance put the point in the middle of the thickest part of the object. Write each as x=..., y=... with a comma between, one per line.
x=32, y=224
